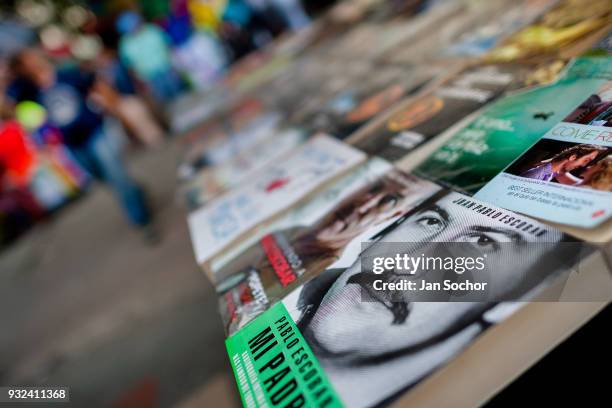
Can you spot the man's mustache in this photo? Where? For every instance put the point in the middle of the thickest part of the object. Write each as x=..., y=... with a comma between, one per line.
x=400, y=309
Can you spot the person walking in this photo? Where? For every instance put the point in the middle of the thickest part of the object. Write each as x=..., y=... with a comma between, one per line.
x=75, y=105
x=145, y=49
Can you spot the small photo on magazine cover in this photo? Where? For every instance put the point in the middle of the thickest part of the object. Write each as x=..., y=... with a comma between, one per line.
x=572, y=164
x=596, y=110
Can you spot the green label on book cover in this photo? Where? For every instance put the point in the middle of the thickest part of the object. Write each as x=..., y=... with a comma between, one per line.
x=274, y=367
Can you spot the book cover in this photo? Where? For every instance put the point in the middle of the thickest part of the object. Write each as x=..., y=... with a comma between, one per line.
x=362, y=350
x=266, y=271
x=311, y=211
x=274, y=189
x=504, y=130
x=416, y=121
x=566, y=176
x=213, y=180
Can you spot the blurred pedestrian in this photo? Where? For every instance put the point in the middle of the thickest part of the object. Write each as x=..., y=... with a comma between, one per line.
x=131, y=110
x=197, y=54
x=75, y=107
x=145, y=49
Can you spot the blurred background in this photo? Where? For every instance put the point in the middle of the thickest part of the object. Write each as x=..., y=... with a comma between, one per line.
x=104, y=297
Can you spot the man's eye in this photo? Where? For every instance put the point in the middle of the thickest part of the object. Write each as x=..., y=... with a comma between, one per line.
x=483, y=241
x=430, y=222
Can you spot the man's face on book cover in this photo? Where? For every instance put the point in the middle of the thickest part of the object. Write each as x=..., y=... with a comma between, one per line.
x=345, y=325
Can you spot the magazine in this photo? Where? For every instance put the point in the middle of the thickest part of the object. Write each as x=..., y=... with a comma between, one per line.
x=274, y=189
x=266, y=271
x=416, y=121
x=307, y=214
x=213, y=180
x=328, y=344
x=566, y=176
x=564, y=31
x=504, y=130
x=349, y=109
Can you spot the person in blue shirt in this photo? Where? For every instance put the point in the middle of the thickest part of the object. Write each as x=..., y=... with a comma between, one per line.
x=75, y=106
x=145, y=49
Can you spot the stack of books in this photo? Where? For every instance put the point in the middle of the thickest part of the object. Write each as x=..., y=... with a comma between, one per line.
x=405, y=205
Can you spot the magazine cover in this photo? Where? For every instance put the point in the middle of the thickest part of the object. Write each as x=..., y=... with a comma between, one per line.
x=211, y=181
x=566, y=176
x=349, y=109
x=337, y=340
x=336, y=77
x=503, y=22
x=432, y=42
x=270, y=268
x=284, y=91
x=233, y=115
x=241, y=137
x=189, y=111
x=507, y=128
x=415, y=122
x=564, y=31
x=242, y=125
x=371, y=40
x=274, y=189
x=307, y=214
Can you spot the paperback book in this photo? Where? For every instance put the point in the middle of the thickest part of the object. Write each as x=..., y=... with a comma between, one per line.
x=504, y=130
x=416, y=121
x=275, y=189
x=337, y=341
x=282, y=259
x=566, y=176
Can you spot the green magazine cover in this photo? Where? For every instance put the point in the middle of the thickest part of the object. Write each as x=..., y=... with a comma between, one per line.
x=508, y=127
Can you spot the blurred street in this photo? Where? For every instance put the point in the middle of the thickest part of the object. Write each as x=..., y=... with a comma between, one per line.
x=123, y=324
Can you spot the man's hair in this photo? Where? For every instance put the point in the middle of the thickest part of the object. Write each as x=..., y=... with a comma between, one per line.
x=579, y=151
x=601, y=179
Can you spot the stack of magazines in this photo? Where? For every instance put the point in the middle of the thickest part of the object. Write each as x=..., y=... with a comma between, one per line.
x=405, y=203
